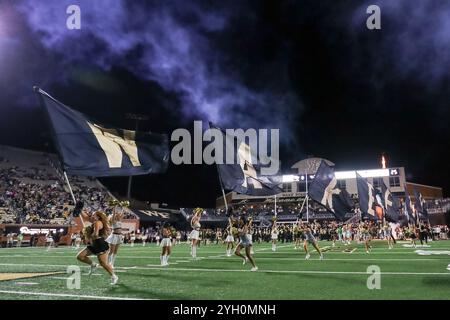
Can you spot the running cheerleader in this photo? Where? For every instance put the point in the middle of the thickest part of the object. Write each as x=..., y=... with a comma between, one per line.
x=309, y=238
x=115, y=239
x=96, y=234
x=195, y=234
x=246, y=243
x=229, y=239
x=166, y=244
x=274, y=236
x=387, y=230
x=365, y=236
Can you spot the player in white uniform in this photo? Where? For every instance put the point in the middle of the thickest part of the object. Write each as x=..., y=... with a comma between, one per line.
x=195, y=233
x=229, y=239
x=274, y=237
x=166, y=245
x=115, y=239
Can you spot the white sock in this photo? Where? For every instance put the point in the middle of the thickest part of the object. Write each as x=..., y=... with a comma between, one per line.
x=194, y=251
x=161, y=258
x=167, y=258
x=113, y=259
x=110, y=259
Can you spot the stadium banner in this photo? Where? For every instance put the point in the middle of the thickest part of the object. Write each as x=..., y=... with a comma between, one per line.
x=324, y=191
x=159, y=215
x=419, y=204
x=390, y=204
x=88, y=148
x=245, y=176
x=367, y=197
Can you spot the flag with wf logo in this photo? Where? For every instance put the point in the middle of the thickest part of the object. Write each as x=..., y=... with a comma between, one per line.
x=88, y=148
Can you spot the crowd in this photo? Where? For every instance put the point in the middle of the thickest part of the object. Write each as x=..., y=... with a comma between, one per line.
x=324, y=230
x=35, y=196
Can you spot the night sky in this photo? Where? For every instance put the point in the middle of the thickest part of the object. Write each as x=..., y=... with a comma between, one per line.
x=310, y=68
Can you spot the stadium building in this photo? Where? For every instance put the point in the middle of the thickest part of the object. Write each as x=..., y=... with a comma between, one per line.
x=295, y=186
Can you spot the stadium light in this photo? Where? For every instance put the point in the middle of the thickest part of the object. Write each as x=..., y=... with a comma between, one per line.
x=342, y=175
x=289, y=178
x=363, y=173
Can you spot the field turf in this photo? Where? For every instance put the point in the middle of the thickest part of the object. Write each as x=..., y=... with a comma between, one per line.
x=284, y=274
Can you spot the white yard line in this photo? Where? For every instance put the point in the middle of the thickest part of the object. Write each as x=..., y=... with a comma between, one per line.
x=65, y=295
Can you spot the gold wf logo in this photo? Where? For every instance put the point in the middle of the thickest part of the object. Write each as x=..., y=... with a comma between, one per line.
x=114, y=145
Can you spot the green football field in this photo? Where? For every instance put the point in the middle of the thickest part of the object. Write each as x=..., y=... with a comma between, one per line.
x=284, y=274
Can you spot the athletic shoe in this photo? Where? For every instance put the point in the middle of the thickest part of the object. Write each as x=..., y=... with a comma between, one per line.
x=114, y=279
x=94, y=266
x=448, y=267
x=307, y=256
x=321, y=257
x=252, y=252
x=254, y=269
x=367, y=251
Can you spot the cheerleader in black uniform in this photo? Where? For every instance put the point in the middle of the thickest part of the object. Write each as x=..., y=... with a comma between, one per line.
x=96, y=235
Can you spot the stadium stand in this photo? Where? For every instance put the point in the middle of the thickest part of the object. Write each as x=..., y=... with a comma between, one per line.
x=32, y=189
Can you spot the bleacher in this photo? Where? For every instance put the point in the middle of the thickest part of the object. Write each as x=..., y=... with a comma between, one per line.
x=33, y=190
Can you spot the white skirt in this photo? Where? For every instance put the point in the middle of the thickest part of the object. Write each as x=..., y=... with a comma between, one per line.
x=274, y=237
x=229, y=239
x=195, y=235
x=115, y=239
x=166, y=242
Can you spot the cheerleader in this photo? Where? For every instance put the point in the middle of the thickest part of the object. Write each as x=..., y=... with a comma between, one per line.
x=50, y=241
x=96, y=234
x=250, y=234
x=348, y=235
x=229, y=239
x=413, y=235
x=166, y=245
x=297, y=236
x=115, y=239
x=157, y=238
x=144, y=239
x=77, y=241
x=195, y=234
x=246, y=243
x=365, y=236
x=309, y=238
x=387, y=230
x=132, y=238
x=274, y=237
x=333, y=234
x=178, y=237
